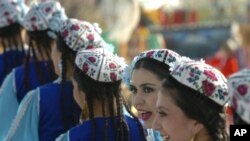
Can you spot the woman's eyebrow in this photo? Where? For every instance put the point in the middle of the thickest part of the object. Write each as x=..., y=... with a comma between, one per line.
x=147, y=84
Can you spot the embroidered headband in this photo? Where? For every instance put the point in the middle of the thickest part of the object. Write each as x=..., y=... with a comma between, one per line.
x=166, y=56
x=82, y=35
x=239, y=92
x=203, y=78
x=11, y=12
x=100, y=64
x=45, y=15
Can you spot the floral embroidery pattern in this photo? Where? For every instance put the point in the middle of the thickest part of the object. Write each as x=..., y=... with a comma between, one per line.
x=162, y=55
x=10, y=12
x=100, y=64
x=210, y=74
x=208, y=88
x=46, y=15
x=81, y=35
x=242, y=89
x=201, y=77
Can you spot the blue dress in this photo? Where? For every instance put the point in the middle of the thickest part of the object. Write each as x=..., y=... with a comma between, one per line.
x=39, y=116
x=9, y=58
x=13, y=90
x=83, y=132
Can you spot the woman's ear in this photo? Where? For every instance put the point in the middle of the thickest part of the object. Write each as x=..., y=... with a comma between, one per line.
x=197, y=127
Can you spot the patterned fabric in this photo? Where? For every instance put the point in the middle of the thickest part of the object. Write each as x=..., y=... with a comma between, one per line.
x=202, y=78
x=166, y=56
x=82, y=35
x=45, y=15
x=239, y=91
x=100, y=65
x=11, y=12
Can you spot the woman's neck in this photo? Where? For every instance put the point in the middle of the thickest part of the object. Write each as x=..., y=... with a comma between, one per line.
x=98, y=110
x=69, y=72
x=12, y=45
x=42, y=55
x=203, y=136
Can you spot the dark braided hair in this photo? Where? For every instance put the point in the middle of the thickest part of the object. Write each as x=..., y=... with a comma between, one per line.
x=67, y=57
x=198, y=107
x=107, y=93
x=42, y=42
x=11, y=40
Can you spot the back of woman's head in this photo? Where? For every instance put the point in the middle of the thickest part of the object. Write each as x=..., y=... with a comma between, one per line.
x=98, y=74
x=95, y=89
x=42, y=23
x=201, y=92
x=11, y=33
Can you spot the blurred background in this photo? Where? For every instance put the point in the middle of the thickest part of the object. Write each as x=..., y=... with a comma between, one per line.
x=215, y=30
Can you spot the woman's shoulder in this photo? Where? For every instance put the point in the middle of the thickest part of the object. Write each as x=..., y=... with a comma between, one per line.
x=54, y=88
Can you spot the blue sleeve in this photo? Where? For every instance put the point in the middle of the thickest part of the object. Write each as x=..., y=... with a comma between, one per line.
x=25, y=124
x=8, y=103
x=63, y=137
x=153, y=135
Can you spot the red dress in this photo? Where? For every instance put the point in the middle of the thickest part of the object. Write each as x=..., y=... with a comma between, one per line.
x=227, y=66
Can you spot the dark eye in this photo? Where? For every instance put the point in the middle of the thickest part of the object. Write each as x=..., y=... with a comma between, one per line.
x=147, y=90
x=132, y=89
x=161, y=114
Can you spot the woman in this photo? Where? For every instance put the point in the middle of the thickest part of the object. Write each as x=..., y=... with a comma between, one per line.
x=41, y=22
x=51, y=107
x=12, y=50
x=238, y=84
x=190, y=105
x=148, y=69
x=97, y=84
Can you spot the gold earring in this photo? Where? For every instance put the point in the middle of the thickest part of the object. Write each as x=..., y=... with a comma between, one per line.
x=193, y=138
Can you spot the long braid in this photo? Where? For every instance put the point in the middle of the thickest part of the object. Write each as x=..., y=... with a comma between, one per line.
x=107, y=92
x=10, y=36
x=124, y=125
x=63, y=98
x=22, y=49
x=119, y=137
x=26, y=65
x=67, y=55
x=49, y=64
x=91, y=115
x=38, y=65
x=39, y=41
x=111, y=110
x=106, y=121
x=16, y=57
x=4, y=57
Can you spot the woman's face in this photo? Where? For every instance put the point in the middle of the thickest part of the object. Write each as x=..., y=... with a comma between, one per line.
x=171, y=121
x=144, y=87
x=55, y=56
x=79, y=96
